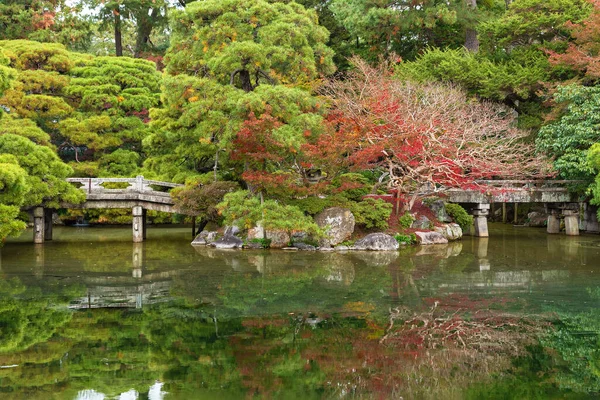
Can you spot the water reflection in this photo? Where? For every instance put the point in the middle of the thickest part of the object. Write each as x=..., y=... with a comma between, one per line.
x=161, y=319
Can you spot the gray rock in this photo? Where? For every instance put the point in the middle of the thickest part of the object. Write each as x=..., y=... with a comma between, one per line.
x=439, y=210
x=228, y=242
x=290, y=248
x=450, y=231
x=325, y=248
x=210, y=236
x=199, y=241
x=279, y=239
x=232, y=230
x=304, y=246
x=431, y=238
x=339, y=223
x=204, y=238
x=537, y=219
x=421, y=223
x=341, y=248
x=377, y=242
x=253, y=245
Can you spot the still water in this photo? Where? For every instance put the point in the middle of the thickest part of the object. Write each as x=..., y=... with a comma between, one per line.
x=91, y=316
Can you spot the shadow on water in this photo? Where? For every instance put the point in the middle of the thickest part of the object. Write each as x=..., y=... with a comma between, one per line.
x=90, y=313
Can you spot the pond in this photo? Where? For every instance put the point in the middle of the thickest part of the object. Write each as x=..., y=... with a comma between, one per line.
x=92, y=315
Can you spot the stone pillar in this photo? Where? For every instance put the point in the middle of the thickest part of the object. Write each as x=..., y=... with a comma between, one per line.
x=571, y=223
x=145, y=225
x=38, y=225
x=48, y=223
x=553, y=224
x=480, y=213
x=139, y=220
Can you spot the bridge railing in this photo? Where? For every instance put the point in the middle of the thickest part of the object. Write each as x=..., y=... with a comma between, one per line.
x=547, y=185
x=137, y=185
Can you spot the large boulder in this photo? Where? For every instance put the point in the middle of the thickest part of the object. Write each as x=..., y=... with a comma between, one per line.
x=279, y=239
x=338, y=223
x=377, y=242
x=425, y=238
x=439, y=209
x=422, y=222
x=450, y=231
x=232, y=230
x=204, y=238
x=228, y=242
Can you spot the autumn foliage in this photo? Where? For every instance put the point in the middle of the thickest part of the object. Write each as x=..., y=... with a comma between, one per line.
x=427, y=133
x=583, y=54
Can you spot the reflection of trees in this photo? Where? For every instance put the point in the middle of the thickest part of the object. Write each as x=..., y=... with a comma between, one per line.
x=291, y=324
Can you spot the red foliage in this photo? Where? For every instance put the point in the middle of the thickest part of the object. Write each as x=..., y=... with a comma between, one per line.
x=425, y=134
x=584, y=53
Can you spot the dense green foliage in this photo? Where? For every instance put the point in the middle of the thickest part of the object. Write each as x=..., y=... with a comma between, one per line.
x=246, y=211
x=372, y=213
x=460, y=216
x=249, y=95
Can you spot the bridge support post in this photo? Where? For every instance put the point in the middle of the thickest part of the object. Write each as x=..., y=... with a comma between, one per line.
x=39, y=228
x=480, y=212
x=48, y=223
x=571, y=223
x=553, y=224
x=139, y=224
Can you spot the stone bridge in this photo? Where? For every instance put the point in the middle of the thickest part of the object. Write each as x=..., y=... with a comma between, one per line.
x=554, y=194
x=137, y=194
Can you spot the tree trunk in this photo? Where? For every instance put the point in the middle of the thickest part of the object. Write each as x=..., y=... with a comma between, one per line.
x=471, y=41
x=144, y=29
x=245, y=80
x=201, y=225
x=118, y=40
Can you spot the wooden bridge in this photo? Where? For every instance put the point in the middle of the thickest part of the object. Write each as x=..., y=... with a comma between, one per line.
x=137, y=194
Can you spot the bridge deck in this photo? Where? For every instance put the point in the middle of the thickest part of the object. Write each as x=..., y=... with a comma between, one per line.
x=133, y=192
x=516, y=191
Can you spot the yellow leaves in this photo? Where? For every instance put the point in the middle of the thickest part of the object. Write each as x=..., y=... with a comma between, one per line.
x=120, y=99
x=204, y=140
x=193, y=99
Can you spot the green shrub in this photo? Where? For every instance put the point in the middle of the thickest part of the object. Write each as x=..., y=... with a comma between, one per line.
x=311, y=205
x=372, y=213
x=406, y=220
x=405, y=239
x=352, y=186
x=264, y=243
x=460, y=216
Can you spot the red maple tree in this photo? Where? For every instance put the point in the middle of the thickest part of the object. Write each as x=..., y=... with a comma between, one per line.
x=430, y=135
x=583, y=53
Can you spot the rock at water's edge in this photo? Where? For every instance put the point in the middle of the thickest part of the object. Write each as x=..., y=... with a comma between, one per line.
x=339, y=223
x=450, y=231
x=431, y=238
x=377, y=242
x=228, y=242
